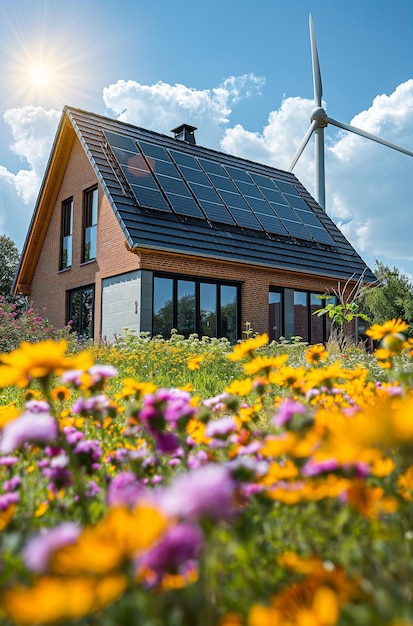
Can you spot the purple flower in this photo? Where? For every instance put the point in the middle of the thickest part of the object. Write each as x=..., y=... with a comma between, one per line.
x=216, y=403
x=40, y=548
x=221, y=428
x=208, y=491
x=287, y=409
x=99, y=372
x=124, y=489
x=176, y=552
x=12, y=484
x=6, y=499
x=314, y=468
x=8, y=460
x=167, y=442
x=29, y=427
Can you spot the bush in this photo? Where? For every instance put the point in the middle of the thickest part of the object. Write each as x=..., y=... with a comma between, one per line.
x=29, y=325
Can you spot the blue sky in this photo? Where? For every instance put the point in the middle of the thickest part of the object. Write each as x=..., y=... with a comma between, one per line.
x=238, y=70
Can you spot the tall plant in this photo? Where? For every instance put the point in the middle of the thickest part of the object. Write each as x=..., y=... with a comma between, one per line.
x=344, y=310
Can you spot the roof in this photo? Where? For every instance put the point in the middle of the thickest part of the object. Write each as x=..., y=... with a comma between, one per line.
x=173, y=196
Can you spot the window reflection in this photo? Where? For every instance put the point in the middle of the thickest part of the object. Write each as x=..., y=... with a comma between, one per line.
x=229, y=312
x=317, y=323
x=186, y=307
x=275, y=313
x=80, y=311
x=162, y=306
x=208, y=310
x=301, y=315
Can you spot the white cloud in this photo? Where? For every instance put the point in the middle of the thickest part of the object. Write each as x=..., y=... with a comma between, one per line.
x=161, y=106
x=33, y=130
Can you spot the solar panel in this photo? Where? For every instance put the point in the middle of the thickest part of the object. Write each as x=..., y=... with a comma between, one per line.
x=272, y=224
x=171, y=180
x=320, y=235
x=285, y=187
x=246, y=218
x=297, y=229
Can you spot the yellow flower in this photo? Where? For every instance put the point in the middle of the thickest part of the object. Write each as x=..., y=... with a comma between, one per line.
x=194, y=362
x=240, y=387
x=103, y=548
x=132, y=387
x=60, y=599
x=378, y=331
x=38, y=360
x=246, y=348
x=6, y=516
x=61, y=393
x=316, y=353
x=264, y=364
x=8, y=414
x=405, y=483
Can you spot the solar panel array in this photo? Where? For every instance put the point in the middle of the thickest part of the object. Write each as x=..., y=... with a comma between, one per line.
x=174, y=181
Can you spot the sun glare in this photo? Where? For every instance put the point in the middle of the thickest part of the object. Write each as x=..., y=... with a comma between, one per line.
x=39, y=74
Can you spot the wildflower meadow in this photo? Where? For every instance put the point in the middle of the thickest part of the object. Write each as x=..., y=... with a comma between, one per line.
x=188, y=482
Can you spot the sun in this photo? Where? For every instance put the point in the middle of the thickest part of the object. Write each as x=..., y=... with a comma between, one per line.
x=39, y=74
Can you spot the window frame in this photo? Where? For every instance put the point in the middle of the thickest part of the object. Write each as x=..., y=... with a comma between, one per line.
x=198, y=280
x=81, y=290
x=285, y=312
x=66, y=234
x=88, y=216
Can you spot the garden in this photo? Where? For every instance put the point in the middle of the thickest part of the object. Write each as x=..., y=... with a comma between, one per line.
x=188, y=482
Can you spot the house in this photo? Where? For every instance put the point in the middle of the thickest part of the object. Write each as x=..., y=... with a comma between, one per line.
x=137, y=229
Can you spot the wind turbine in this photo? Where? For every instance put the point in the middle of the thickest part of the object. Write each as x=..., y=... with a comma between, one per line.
x=319, y=121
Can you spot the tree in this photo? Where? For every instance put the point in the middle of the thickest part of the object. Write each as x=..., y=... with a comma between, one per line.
x=391, y=298
x=9, y=260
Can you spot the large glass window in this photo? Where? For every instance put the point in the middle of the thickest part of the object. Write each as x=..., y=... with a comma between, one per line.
x=275, y=301
x=291, y=313
x=317, y=323
x=208, y=310
x=301, y=315
x=90, y=221
x=185, y=307
x=67, y=232
x=163, y=306
x=192, y=305
x=80, y=311
x=229, y=312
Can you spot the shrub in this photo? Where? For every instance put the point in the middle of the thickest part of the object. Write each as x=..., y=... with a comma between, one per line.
x=29, y=325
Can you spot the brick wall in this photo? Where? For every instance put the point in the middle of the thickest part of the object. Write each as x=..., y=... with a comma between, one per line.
x=50, y=285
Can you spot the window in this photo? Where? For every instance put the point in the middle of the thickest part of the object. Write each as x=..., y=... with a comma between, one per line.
x=90, y=220
x=275, y=302
x=80, y=310
x=195, y=306
x=291, y=314
x=66, y=237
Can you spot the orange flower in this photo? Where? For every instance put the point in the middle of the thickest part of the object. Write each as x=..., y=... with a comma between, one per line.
x=394, y=326
x=60, y=599
x=316, y=353
x=246, y=348
x=194, y=362
x=38, y=360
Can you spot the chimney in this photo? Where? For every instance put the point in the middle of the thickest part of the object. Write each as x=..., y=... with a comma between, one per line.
x=185, y=132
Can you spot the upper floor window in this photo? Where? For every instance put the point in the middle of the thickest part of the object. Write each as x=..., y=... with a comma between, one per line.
x=66, y=236
x=90, y=220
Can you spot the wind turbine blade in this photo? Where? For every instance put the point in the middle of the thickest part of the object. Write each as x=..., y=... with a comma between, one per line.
x=363, y=133
x=303, y=144
x=318, y=87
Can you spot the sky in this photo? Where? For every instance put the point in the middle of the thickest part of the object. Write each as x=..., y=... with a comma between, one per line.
x=238, y=70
